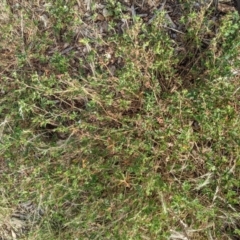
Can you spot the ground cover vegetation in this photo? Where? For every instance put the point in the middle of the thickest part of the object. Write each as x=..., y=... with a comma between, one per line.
x=119, y=120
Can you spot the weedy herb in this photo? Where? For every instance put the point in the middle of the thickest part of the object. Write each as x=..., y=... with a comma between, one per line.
x=113, y=126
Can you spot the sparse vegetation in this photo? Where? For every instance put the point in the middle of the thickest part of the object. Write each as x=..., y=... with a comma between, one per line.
x=119, y=126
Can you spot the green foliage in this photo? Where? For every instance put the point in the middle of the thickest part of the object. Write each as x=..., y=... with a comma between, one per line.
x=122, y=143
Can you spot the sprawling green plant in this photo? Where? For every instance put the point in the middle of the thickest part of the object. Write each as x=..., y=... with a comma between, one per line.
x=132, y=140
